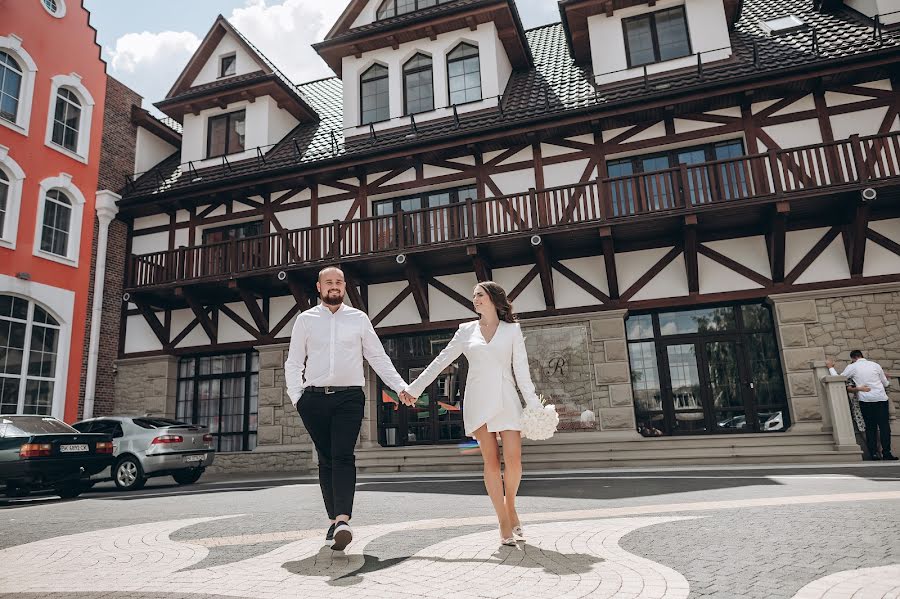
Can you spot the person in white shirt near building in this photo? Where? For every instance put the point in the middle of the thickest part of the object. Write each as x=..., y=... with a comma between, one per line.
x=873, y=402
x=324, y=378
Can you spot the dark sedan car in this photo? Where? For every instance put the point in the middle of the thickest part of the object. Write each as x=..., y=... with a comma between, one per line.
x=40, y=452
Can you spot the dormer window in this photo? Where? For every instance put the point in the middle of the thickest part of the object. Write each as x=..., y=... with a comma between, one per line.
x=374, y=96
x=393, y=8
x=225, y=134
x=464, y=74
x=656, y=37
x=227, y=65
x=418, y=84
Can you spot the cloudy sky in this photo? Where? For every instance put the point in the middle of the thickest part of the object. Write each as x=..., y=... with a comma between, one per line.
x=147, y=44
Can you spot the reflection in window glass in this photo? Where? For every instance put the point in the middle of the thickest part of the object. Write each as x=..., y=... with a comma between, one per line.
x=375, y=99
x=697, y=321
x=756, y=317
x=464, y=73
x=639, y=327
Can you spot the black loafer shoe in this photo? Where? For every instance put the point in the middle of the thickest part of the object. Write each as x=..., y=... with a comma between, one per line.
x=889, y=457
x=329, y=536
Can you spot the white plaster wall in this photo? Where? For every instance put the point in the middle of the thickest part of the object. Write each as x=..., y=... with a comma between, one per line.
x=334, y=210
x=229, y=331
x=862, y=122
x=367, y=14
x=592, y=269
x=532, y=297
x=244, y=62
x=265, y=124
x=798, y=243
x=567, y=294
x=442, y=307
x=302, y=196
x=714, y=277
x=495, y=72
x=514, y=181
x=430, y=172
x=890, y=228
x=749, y=251
x=707, y=28
x=880, y=261
x=631, y=266
x=526, y=153
x=405, y=313
x=888, y=9
x=278, y=308
x=803, y=104
x=671, y=282
x=139, y=336
x=686, y=125
x=792, y=135
x=565, y=173
x=548, y=150
x=297, y=218
x=830, y=266
x=181, y=238
x=146, y=244
x=381, y=294
x=655, y=131
x=150, y=150
x=182, y=216
x=147, y=222
x=197, y=336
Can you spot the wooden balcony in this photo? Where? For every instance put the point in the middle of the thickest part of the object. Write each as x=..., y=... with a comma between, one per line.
x=814, y=171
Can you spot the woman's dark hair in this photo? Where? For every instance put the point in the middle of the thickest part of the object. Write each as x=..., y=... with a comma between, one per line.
x=499, y=299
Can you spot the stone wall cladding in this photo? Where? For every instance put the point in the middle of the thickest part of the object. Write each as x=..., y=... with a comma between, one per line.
x=146, y=386
x=278, y=423
x=813, y=328
x=612, y=371
x=116, y=163
x=257, y=461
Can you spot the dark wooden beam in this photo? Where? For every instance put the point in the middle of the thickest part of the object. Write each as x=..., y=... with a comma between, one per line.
x=651, y=274
x=353, y=283
x=451, y=293
x=575, y=278
x=155, y=325
x=256, y=313
x=690, y=253
x=776, y=240
x=303, y=297
x=480, y=262
x=209, y=327
x=419, y=289
x=609, y=259
x=885, y=242
x=734, y=265
x=811, y=255
x=542, y=260
x=857, y=242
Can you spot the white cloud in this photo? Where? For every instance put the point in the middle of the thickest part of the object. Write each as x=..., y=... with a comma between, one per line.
x=148, y=62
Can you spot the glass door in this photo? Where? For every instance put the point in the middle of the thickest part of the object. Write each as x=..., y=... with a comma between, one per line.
x=684, y=405
x=726, y=384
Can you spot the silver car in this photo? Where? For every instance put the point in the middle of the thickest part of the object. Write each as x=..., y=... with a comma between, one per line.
x=149, y=446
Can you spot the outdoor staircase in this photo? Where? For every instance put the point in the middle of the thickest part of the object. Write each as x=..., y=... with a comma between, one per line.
x=591, y=450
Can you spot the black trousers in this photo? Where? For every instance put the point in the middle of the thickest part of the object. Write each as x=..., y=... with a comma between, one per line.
x=333, y=422
x=877, y=418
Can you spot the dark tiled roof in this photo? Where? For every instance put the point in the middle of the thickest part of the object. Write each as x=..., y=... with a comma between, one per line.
x=171, y=124
x=218, y=84
x=555, y=86
x=416, y=15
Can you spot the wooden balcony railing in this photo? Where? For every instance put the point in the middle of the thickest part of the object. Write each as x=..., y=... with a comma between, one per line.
x=776, y=173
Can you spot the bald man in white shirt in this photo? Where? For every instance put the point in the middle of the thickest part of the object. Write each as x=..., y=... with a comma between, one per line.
x=324, y=378
x=870, y=381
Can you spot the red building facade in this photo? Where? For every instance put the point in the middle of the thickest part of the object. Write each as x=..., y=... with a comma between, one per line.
x=52, y=94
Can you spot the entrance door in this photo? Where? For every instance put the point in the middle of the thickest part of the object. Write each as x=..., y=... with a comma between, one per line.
x=435, y=418
x=708, y=389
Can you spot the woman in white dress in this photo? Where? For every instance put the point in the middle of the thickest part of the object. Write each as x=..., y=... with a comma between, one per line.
x=495, y=349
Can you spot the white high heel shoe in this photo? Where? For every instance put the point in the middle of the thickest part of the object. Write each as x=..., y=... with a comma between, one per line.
x=518, y=532
x=508, y=541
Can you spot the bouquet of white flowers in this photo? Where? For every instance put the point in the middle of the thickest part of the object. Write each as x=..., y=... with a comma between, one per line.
x=539, y=423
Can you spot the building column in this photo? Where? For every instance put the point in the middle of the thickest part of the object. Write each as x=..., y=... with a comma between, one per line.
x=799, y=361
x=146, y=386
x=612, y=373
x=106, y=211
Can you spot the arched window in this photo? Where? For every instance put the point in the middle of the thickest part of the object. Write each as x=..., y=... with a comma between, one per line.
x=374, y=96
x=393, y=8
x=464, y=74
x=29, y=342
x=418, y=85
x=4, y=194
x=66, y=120
x=10, y=87
x=57, y=223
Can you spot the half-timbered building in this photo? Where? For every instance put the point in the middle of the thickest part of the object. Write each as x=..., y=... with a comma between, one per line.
x=691, y=203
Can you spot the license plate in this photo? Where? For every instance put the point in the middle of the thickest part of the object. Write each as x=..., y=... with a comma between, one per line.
x=195, y=458
x=76, y=448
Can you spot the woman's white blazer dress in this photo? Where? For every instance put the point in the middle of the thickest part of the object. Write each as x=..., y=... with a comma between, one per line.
x=490, y=396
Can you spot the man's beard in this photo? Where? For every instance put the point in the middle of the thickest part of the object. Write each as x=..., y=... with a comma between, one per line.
x=332, y=300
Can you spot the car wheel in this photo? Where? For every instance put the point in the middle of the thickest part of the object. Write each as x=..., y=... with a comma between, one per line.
x=14, y=490
x=70, y=490
x=188, y=477
x=128, y=474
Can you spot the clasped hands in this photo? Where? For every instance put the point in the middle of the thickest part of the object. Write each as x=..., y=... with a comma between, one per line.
x=407, y=399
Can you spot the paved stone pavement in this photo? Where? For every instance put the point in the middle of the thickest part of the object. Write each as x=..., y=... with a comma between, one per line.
x=800, y=533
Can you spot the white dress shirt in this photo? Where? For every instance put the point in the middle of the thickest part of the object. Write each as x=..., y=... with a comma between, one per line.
x=327, y=350
x=867, y=374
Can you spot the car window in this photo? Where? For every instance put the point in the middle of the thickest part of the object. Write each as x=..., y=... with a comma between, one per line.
x=84, y=427
x=117, y=430
x=22, y=426
x=157, y=422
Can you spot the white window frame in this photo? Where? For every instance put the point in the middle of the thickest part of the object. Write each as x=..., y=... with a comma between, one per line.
x=73, y=83
x=23, y=377
x=60, y=304
x=12, y=45
x=60, y=8
x=63, y=183
x=16, y=176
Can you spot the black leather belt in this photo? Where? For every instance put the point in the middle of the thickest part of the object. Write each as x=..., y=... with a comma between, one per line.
x=330, y=390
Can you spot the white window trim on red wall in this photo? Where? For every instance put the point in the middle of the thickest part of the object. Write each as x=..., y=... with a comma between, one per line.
x=64, y=183
x=73, y=83
x=12, y=44
x=16, y=176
